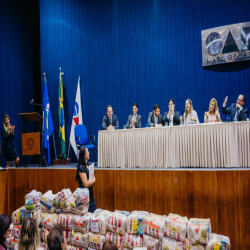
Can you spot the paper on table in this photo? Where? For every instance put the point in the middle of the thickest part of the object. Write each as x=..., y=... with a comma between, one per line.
x=91, y=171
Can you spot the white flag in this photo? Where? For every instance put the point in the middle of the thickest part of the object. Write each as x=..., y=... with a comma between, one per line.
x=77, y=118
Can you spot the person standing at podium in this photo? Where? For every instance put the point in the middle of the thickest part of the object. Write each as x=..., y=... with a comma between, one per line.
x=9, y=151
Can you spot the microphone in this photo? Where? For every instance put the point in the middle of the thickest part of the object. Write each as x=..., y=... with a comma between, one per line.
x=32, y=101
x=228, y=113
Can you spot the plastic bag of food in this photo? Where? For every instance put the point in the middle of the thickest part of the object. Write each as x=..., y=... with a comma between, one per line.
x=151, y=242
x=116, y=223
x=96, y=241
x=16, y=231
x=154, y=225
x=176, y=226
x=44, y=246
x=81, y=196
x=170, y=243
x=99, y=222
x=132, y=240
x=48, y=220
x=63, y=195
x=190, y=246
x=18, y=216
x=134, y=222
x=33, y=197
x=116, y=238
x=44, y=233
x=199, y=231
x=11, y=243
x=81, y=223
x=65, y=220
x=218, y=242
x=80, y=240
x=68, y=236
x=45, y=209
x=122, y=212
x=36, y=215
x=47, y=199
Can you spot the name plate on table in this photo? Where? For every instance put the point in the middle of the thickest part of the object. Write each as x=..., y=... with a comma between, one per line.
x=31, y=143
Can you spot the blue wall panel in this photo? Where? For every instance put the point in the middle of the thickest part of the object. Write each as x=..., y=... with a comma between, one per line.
x=136, y=51
x=17, y=85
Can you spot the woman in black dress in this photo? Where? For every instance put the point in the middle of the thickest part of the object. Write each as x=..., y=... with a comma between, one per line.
x=9, y=151
x=82, y=176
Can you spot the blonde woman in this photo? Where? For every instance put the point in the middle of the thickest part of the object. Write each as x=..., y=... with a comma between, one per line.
x=29, y=236
x=213, y=114
x=190, y=115
x=9, y=151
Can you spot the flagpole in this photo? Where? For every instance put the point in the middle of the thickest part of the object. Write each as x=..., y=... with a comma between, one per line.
x=60, y=86
x=54, y=145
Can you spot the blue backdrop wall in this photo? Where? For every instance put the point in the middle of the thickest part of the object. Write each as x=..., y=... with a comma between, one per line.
x=19, y=63
x=136, y=51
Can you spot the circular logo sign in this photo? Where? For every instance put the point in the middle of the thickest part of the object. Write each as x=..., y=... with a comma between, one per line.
x=213, y=43
x=30, y=144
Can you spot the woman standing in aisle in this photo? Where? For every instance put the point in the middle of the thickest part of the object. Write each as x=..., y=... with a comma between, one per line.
x=82, y=176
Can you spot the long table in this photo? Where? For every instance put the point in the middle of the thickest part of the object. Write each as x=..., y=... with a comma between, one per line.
x=214, y=145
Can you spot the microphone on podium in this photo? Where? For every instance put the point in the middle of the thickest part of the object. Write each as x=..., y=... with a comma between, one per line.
x=32, y=101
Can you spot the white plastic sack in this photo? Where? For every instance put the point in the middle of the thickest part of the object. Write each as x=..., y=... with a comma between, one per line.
x=132, y=240
x=199, y=231
x=190, y=246
x=151, y=242
x=65, y=220
x=33, y=197
x=96, y=241
x=47, y=199
x=134, y=222
x=176, y=226
x=49, y=220
x=116, y=238
x=80, y=240
x=81, y=223
x=99, y=222
x=171, y=244
x=18, y=216
x=154, y=225
x=116, y=223
x=218, y=242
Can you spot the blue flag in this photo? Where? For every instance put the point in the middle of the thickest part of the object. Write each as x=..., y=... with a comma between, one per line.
x=48, y=127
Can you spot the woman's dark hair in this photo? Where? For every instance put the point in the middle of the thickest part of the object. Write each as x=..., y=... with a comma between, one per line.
x=156, y=106
x=109, y=245
x=55, y=237
x=135, y=104
x=82, y=162
x=4, y=226
x=171, y=100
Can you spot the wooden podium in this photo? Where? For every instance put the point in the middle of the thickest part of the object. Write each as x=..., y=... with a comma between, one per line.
x=31, y=142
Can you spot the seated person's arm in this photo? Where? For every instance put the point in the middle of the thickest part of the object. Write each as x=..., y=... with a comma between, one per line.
x=177, y=118
x=150, y=124
x=138, y=123
x=104, y=127
x=116, y=124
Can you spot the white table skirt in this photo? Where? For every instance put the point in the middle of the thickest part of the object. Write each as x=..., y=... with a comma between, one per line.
x=203, y=145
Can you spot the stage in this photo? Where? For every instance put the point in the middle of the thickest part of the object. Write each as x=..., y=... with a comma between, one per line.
x=223, y=195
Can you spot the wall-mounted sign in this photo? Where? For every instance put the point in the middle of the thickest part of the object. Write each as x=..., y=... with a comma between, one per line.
x=225, y=44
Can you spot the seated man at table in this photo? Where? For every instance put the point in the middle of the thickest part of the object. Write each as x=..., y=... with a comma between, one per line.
x=172, y=117
x=237, y=111
x=154, y=117
x=110, y=121
x=134, y=120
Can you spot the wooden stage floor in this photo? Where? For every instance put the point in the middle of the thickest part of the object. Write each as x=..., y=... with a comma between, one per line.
x=223, y=195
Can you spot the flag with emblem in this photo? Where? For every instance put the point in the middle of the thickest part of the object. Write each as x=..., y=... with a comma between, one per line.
x=77, y=117
x=61, y=117
x=48, y=127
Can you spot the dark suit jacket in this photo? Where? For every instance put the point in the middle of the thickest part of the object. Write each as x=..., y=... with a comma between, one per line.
x=137, y=122
x=243, y=115
x=105, y=122
x=151, y=119
x=176, y=118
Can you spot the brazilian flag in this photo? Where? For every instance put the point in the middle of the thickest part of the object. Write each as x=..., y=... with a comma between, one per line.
x=61, y=117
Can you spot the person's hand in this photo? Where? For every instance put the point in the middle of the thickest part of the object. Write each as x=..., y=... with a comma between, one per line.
x=133, y=120
x=110, y=127
x=238, y=106
x=181, y=118
x=159, y=125
x=12, y=127
x=193, y=119
x=93, y=179
x=225, y=101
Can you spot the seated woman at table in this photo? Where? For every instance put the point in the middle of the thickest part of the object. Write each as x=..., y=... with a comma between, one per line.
x=213, y=114
x=190, y=115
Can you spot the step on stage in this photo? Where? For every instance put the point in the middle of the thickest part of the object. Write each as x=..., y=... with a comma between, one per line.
x=223, y=195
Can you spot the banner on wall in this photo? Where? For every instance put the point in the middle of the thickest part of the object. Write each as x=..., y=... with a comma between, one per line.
x=225, y=44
